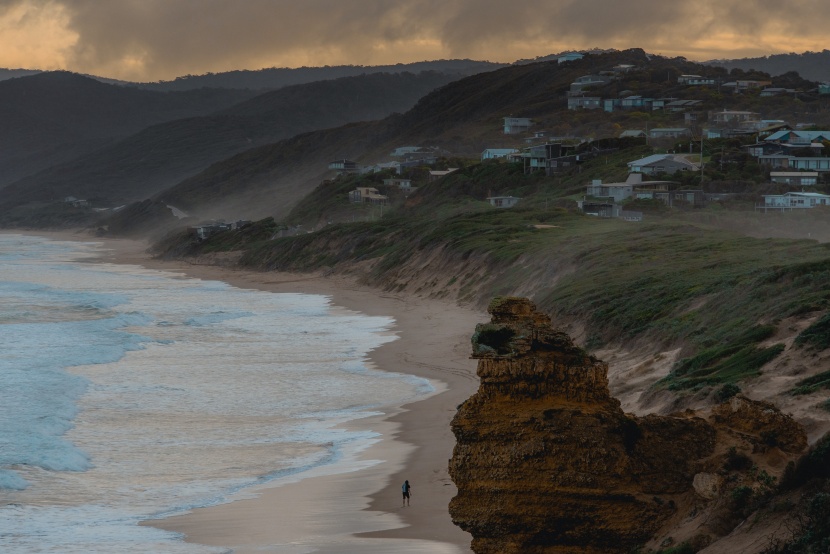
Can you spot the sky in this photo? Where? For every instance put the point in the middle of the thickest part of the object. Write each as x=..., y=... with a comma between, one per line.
x=150, y=40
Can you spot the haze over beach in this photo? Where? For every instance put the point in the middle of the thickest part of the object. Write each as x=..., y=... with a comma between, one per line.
x=559, y=266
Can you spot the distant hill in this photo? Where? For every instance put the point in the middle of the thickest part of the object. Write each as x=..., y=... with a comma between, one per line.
x=160, y=156
x=53, y=117
x=12, y=73
x=274, y=78
x=814, y=66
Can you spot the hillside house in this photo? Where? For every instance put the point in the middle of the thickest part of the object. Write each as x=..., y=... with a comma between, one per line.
x=367, y=195
x=795, y=178
x=696, y=80
x=661, y=163
x=631, y=188
x=736, y=119
x=76, y=202
x=795, y=163
x=401, y=151
x=344, y=166
x=669, y=132
x=790, y=136
x=437, y=174
x=676, y=198
x=403, y=184
x=793, y=201
x=494, y=153
x=608, y=210
x=517, y=125
x=569, y=57
x=503, y=201
x=824, y=88
x=584, y=102
x=587, y=81
x=633, y=133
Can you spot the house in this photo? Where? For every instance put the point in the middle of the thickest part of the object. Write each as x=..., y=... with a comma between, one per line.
x=775, y=91
x=661, y=163
x=402, y=151
x=608, y=210
x=680, y=105
x=676, y=198
x=403, y=184
x=584, y=102
x=344, y=166
x=618, y=192
x=669, y=132
x=633, y=133
x=695, y=80
x=796, y=178
x=367, y=195
x=516, y=125
x=76, y=202
x=437, y=174
x=207, y=230
x=493, y=153
x=589, y=81
x=735, y=118
x=503, y=201
x=569, y=57
x=793, y=201
x=795, y=163
x=824, y=88
x=798, y=136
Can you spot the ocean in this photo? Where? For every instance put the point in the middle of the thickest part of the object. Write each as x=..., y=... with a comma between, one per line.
x=129, y=394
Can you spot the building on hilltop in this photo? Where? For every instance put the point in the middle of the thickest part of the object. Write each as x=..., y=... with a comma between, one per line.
x=569, y=57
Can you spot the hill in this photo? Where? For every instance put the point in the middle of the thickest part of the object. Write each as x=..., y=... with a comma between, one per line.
x=814, y=66
x=278, y=77
x=160, y=156
x=463, y=118
x=52, y=117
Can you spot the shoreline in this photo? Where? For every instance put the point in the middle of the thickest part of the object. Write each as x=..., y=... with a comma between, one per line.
x=357, y=511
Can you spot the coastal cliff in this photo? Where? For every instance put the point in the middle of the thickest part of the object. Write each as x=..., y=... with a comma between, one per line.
x=546, y=460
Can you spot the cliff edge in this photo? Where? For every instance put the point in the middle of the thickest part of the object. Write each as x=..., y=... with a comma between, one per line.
x=546, y=460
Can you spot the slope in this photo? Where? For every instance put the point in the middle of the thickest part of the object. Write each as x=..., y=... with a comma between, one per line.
x=53, y=117
x=162, y=155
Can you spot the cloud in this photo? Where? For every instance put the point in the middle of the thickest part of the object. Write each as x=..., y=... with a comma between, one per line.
x=155, y=39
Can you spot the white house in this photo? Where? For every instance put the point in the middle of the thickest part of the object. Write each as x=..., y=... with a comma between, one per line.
x=669, y=132
x=493, y=153
x=794, y=201
x=516, y=125
x=569, y=57
x=503, y=201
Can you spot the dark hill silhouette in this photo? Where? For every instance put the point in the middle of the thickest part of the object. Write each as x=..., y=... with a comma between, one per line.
x=814, y=66
x=278, y=77
x=53, y=117
x=162, y=155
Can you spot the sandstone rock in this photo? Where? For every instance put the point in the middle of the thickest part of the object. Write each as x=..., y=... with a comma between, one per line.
x=546, y=461
x=763, y=421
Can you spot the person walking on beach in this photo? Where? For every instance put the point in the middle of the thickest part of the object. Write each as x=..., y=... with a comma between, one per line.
x=407, y=490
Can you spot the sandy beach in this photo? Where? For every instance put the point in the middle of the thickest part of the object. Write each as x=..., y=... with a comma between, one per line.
x=358, y=511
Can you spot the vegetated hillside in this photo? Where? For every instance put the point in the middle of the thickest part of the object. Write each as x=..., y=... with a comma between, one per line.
x=53, y=117
x=162, y=155
x=278, y=77
x=465, y=116
x=810, y=65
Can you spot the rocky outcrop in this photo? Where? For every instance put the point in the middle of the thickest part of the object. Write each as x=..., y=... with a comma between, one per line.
x=546, y=460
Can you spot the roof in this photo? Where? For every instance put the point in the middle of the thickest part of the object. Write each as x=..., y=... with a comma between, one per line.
x=654, y=158
x=632, y=133
x=793, y=173
x=812, y=135
x=670, y=129
x=500, y=150
x=804, y=194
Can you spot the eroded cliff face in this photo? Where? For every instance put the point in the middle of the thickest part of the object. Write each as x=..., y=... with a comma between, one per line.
x=546, y=461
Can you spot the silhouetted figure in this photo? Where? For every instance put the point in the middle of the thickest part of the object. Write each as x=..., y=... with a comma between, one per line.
x=407, y=490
